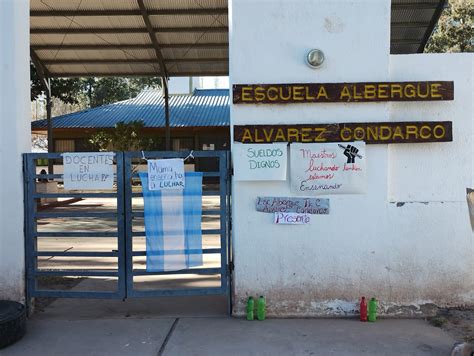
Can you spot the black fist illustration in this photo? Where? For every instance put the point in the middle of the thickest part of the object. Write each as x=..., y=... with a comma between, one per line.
x=351, y=153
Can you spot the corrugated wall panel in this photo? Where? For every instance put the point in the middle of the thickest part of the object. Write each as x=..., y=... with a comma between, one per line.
x=185, y=4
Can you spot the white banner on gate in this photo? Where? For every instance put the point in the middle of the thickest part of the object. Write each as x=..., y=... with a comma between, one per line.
x=260, y=161
x=88, y=170
x=328, y=168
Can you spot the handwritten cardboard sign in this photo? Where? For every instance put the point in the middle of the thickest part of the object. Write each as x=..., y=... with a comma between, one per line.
x=291, y=219
x=292, y=205
x=328, y=168
x=260, y=162
x=164, y=174
x=88, y=170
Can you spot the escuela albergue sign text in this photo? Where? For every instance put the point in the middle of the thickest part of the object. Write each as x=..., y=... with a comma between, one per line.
x=342, y=92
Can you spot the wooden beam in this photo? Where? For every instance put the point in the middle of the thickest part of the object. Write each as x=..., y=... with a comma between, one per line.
x=162, y=12
x=99, y=30
x=130, y=46
x=154, y=41
x=407, y=41
x=407, y=24
x=132, y=61
x=415, y=5
x=41, y=70
x=138, y=74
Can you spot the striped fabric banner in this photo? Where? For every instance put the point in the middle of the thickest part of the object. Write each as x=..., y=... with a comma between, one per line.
x=173, y=225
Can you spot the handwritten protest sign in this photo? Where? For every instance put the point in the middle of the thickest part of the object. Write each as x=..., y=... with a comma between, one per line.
x=260, y=162
x=88, y=170
x=166, y=174
x=291, y=219
x=292, y=205
x=328, y=168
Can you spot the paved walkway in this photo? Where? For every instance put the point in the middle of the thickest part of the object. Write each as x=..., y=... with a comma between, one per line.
x=96, y=328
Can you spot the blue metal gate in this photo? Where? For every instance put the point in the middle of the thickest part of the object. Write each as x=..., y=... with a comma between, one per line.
x=117, y=218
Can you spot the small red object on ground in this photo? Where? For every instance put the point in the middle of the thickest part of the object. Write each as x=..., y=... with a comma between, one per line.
x=363, y=309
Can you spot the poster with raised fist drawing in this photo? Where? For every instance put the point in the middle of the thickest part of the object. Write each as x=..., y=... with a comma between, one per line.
x=328, y=168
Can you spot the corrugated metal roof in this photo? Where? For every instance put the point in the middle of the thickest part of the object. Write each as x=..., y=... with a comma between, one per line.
x=190, y=33
x=205, y=108
x=412, y=23
x=91, y=32
x=211, y=92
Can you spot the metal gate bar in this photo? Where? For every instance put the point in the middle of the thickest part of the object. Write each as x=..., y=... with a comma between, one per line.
x=124, y=232
x=32, y=235
x=222, y=156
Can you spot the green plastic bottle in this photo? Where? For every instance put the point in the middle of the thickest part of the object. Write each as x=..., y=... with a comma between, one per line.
x=373, y=309
x=250, y=308
x=261, y=308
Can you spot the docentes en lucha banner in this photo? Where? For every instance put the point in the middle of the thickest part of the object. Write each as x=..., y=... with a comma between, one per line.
x=328, y=168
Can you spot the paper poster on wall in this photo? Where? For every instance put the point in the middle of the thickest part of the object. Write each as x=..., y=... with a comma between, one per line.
x=260, y=161
x=328, y=168
x=166, y=174
x=291, y=219
x=88, y=170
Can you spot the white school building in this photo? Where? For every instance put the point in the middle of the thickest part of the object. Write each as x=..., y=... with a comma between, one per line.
x=406, y=239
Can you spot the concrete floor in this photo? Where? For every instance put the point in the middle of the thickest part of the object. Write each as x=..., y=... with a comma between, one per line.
x=144, y=308
x=227, y=336
x=200, y=326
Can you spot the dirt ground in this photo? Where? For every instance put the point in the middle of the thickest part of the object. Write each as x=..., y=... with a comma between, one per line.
x=53, y=283
x=459, y=322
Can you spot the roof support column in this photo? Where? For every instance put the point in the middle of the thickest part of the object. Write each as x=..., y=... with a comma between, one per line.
x=49, y=105
x=43, y=74
x=167, y=115
x=163, y=71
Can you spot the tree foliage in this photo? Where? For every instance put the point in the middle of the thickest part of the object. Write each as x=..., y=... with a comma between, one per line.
x=101, y=91
x=65, y=89
x=125, y=137
x=454, y=32
x=92, y=92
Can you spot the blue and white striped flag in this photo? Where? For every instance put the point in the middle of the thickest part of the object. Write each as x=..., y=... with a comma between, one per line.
x=173, y=225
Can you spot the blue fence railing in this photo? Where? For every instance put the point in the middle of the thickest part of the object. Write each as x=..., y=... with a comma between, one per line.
x=48, y=227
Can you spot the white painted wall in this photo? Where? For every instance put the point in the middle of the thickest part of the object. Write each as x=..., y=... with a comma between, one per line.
x=454, y=160
x=180, y=85
x=211, y=82
x=15, y=139
x=186, y=85
x=367, y=245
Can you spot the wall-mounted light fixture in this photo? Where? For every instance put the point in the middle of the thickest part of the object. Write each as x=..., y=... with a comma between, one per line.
x=315, y=58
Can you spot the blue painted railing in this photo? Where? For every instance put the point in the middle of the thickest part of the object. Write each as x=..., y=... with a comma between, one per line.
x=124, y=232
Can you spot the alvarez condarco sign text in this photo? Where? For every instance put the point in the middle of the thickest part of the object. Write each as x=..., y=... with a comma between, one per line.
x=342, y=92
x=371, y=133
